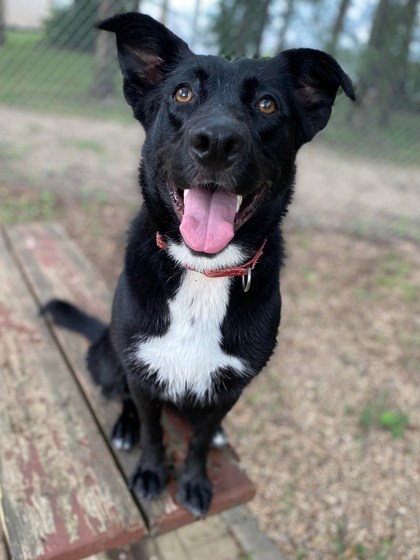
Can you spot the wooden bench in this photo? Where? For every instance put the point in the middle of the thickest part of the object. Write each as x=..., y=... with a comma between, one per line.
x=62, y=486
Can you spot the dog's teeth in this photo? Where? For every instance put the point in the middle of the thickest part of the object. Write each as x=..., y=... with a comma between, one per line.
x=238, y=202
x=186, y=191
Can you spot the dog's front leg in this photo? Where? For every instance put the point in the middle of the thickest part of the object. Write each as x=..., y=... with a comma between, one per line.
x=195, y=489
x=149, y=478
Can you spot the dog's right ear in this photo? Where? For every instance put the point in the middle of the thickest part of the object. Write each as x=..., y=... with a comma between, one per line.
x=145, y=47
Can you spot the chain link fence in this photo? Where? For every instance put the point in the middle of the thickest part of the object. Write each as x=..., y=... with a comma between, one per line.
x=362, y=173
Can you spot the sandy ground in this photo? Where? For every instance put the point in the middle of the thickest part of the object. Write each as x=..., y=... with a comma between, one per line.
x=315, y=429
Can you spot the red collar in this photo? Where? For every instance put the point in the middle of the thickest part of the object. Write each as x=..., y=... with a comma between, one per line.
x=243, y=270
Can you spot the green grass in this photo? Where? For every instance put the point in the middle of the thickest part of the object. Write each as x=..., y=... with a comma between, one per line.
x=300, y=553
x=83, y=145
x=42, y=77
x=397, y=143
x=42, y=207
x=409, y=342
x=345, y=550
x=393, y=275
x=10, y=152
x=378, y=413
x=394, y=421
x=287, y=499
x=403, y=227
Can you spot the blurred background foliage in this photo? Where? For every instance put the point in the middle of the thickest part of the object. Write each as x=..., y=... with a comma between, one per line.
x=52, y=59
x=58, y=61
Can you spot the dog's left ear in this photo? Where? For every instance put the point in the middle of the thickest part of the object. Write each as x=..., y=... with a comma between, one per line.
x=317, y=78
x=145, y=47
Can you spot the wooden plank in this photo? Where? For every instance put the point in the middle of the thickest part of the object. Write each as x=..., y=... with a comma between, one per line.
x=55, y=268
x=231, y=485
x=3, y=550
x=62, y=494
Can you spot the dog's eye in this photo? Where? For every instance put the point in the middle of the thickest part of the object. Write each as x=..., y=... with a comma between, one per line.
x=183, y=94
x=267, y=105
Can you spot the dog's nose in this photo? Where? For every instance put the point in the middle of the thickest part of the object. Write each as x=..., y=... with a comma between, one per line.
x=216, y=144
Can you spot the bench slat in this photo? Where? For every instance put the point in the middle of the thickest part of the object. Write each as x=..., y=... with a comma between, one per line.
x=3, y=551
x=56, y=268
x=62, y=496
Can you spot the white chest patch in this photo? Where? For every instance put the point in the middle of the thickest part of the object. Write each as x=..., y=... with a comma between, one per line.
x=190, y=351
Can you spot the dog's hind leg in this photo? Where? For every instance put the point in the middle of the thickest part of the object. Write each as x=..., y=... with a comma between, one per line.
x=105, y=368
x=126, y=431
x=107, y=372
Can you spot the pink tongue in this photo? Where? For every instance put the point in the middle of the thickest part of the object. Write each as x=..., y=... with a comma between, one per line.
x=207, y=224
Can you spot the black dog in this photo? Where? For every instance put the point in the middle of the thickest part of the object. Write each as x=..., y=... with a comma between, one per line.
x=195, y=316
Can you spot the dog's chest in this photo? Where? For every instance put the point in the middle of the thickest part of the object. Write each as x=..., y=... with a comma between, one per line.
x=187, y=356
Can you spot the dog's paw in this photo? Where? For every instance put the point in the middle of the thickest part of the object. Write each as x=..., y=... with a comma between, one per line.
x=219, y=439
x=125, y=433
x=195, y=494
x=148, y=482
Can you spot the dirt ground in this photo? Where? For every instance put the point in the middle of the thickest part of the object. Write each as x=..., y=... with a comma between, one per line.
x=69, y=155
x=330, y=429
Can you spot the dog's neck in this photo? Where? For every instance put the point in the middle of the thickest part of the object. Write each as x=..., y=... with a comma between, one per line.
x=226, y=263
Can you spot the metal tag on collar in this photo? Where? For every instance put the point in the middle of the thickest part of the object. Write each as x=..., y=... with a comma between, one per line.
x=246, y=283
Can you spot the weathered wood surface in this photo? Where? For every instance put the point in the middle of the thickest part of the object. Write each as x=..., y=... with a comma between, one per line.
x=55, y=267
x=62, y=496
x=3, y=551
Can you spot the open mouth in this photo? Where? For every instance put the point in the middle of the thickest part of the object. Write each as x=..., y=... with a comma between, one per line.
x=210, y=216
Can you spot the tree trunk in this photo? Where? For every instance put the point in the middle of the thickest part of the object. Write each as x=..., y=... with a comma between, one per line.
x=164, y=12
x=240, y=26
x=131, y=6
x=222, y=26
x=373, y=80
x=104, y=85
x=244, y=31
x=261, y=25
x=382, y=85
x=402, y=63
x=247, y=40
x=287, y=18
x=194, y=32
x=337, y=28
x=2, y=24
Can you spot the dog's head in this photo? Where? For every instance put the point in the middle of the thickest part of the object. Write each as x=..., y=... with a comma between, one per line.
x=221, y=136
